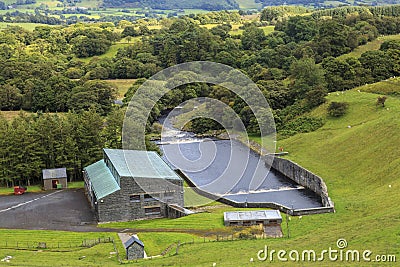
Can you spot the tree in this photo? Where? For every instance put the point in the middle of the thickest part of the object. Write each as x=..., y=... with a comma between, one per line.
x=301, y=28
x=337, y=109
x=83, y=46
x=95, y=94
x=315, y=97
x=307, y=76
x=379, y=63
x=252, y=38
x=129, y=31
x=10, y=98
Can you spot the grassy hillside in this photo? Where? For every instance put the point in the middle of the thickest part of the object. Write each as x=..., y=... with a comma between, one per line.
x=361, y=167
x=27, y=26
x=63, y=248
x=248, y=4
x=358, y=157
x=374, y=45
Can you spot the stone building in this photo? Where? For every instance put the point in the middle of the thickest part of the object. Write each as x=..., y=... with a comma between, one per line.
x=54, y=178
x=131, y=184
x=134, y=248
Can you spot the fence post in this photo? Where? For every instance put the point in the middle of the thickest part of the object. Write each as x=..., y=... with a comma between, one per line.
x=177, y=247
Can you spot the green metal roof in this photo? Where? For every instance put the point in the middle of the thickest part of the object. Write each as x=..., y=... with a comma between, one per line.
x=103, y=182
x=140, y=164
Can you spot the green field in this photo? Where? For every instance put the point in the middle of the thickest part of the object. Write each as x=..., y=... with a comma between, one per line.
x=61, y=248
x=248, y=4
x=27, y=26
x=386, y=87
x=267, y=30
x=374, y=45
x=122, y=86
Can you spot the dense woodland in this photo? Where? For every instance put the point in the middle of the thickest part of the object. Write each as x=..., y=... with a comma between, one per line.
x=175, y=4
x=294, y=67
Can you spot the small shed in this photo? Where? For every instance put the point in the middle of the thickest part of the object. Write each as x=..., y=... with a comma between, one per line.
x=134, y=248
x=54, y=178
x=247, y=218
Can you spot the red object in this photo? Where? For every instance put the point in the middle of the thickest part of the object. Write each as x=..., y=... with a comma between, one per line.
x=19, y=190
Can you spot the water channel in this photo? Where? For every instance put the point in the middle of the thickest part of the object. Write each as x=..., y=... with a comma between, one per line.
x=230, y=170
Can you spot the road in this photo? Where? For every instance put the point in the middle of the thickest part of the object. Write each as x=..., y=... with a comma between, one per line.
x=66, y=209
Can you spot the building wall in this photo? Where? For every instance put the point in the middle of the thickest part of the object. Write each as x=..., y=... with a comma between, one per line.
x=135, y=251
x=89, y=193
x=252, y=222
x=48, y=184
x=110, y=208
x=119, y=206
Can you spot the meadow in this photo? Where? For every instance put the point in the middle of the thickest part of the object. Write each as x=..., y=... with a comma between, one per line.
x=26, y=26
x=370, y=46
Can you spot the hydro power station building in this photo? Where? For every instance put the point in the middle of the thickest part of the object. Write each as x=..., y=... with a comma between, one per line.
x=131, y=184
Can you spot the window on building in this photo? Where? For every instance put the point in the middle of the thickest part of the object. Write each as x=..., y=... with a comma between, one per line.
x=152, y=211
x=134, y=198
x=150, y=197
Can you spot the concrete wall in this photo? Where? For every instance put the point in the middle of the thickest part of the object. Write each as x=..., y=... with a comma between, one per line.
x=270, y=205
x=301, y=176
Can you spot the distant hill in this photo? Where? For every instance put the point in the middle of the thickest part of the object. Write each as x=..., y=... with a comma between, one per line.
x=175, y=4
x=324, y=3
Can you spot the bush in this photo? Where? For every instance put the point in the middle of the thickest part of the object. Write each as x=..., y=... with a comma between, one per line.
x=303, y=124
x=337, y=109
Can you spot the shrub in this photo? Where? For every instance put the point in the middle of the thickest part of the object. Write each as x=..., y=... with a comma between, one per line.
x=303, y=124
x=337, y=109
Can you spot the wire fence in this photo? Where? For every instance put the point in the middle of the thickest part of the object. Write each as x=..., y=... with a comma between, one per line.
x=173, y=249
x=86, y=243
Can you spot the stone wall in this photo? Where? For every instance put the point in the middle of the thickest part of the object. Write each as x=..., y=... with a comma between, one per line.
x=119, y=207
x=134, y=252
x=301, y=176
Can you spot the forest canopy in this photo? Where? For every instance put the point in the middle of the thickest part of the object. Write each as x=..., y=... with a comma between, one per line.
x=65, y=70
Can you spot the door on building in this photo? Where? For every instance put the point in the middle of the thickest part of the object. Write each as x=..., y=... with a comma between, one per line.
x=54, y=183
